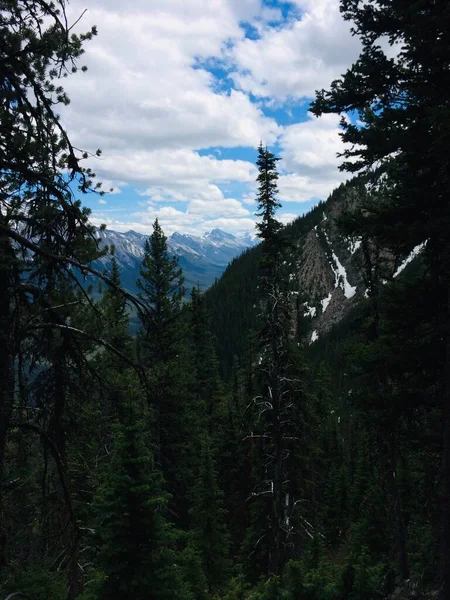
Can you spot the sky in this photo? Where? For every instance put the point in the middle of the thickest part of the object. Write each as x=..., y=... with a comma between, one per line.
x=178, y=95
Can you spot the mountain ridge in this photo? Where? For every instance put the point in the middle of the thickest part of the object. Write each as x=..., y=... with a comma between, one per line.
x=326, y=272
x=202, y=258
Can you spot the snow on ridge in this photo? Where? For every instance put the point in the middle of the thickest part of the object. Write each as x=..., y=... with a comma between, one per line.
x=354, y=246
x=349, y=290
x=340, y=274
x=310, y=311
x=325, y=302
x=414, y=252
x=314, y=336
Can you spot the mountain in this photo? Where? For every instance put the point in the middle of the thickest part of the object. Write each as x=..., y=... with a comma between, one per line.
x=202, y=258
x=325, y=269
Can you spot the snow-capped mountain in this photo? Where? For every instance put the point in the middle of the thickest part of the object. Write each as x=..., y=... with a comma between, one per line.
x=202, y=258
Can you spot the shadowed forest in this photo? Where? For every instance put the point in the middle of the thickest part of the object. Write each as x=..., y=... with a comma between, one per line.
x=230, y=449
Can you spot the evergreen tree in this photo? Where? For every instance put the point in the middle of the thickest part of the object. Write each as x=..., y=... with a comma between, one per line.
x=161, y=290
x=113, y=307
x=137, y=544
x=273, y=409
x=39, y=169
x=268, y=204
x=208, y=520
x=208, y=387
x=208, y=443
x=164, y=354
x=402, y=104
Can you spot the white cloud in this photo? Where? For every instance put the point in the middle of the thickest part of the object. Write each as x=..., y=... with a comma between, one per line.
x=101, y=201
x=200, y=215
x=309, y=159
x=286, y=218
x=172, y=220
x=311, y=147
x=143, y=90
x=295, y=60
x=226, y=206
x=147, y=101
x=179, y=175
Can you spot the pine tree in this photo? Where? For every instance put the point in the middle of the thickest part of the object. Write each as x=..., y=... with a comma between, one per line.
x=208, y=443
x=208, y=388
x=161, y=290
x=137, y=552
x=39, y=169
x=208, y=520
x=402, y=149
x=164, y=354
x=273, y=408
x=113, y=307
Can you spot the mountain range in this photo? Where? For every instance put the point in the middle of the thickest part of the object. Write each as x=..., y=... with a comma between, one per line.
x=202, y=258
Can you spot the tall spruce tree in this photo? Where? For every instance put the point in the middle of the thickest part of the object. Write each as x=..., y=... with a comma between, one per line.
x=137, y=552
x=113, y=308
x=207, y=415
x=161, y=290
x=163, y=353
x=273, y=408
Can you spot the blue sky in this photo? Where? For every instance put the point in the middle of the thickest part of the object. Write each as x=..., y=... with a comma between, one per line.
x=179, y=93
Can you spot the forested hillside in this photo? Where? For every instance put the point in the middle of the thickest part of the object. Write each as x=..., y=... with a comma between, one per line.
x=284, y=436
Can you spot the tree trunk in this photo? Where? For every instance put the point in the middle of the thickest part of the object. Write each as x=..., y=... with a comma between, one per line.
x=445, y=497
x=6, y=371
x=400, y=531
x=277, y=492
x=70, y=531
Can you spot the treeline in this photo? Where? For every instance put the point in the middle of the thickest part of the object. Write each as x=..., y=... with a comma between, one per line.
x=129, y=468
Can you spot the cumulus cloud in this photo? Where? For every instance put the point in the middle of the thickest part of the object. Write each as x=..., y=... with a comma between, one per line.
x=310, y=162
x=226, y=206
x=295, y=60
x=152, y=100
x=178, y=175
x=143, y=88
x=188, y=165
x=286, y=218
x=172, y=220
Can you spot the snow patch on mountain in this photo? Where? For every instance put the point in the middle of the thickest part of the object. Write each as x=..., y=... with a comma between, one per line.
x=415, y=252
x=340, y=274
x=341, y=278
x=310, y=311
x=325, y=302
x=354, y=245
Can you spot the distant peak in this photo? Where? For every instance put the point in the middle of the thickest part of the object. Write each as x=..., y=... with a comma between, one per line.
x=249, y=236
x=218, y=234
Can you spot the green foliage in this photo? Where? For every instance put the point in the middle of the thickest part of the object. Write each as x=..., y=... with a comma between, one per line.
x=137, y=544
x=268, y=203
x=237, y=589
x=38, y=582
x=161, y=290
x=132, y=470
x=193, y=574
x=208, y=520
x=268, y=590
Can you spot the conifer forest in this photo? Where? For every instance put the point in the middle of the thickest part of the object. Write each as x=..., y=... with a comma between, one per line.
x=264, y=439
